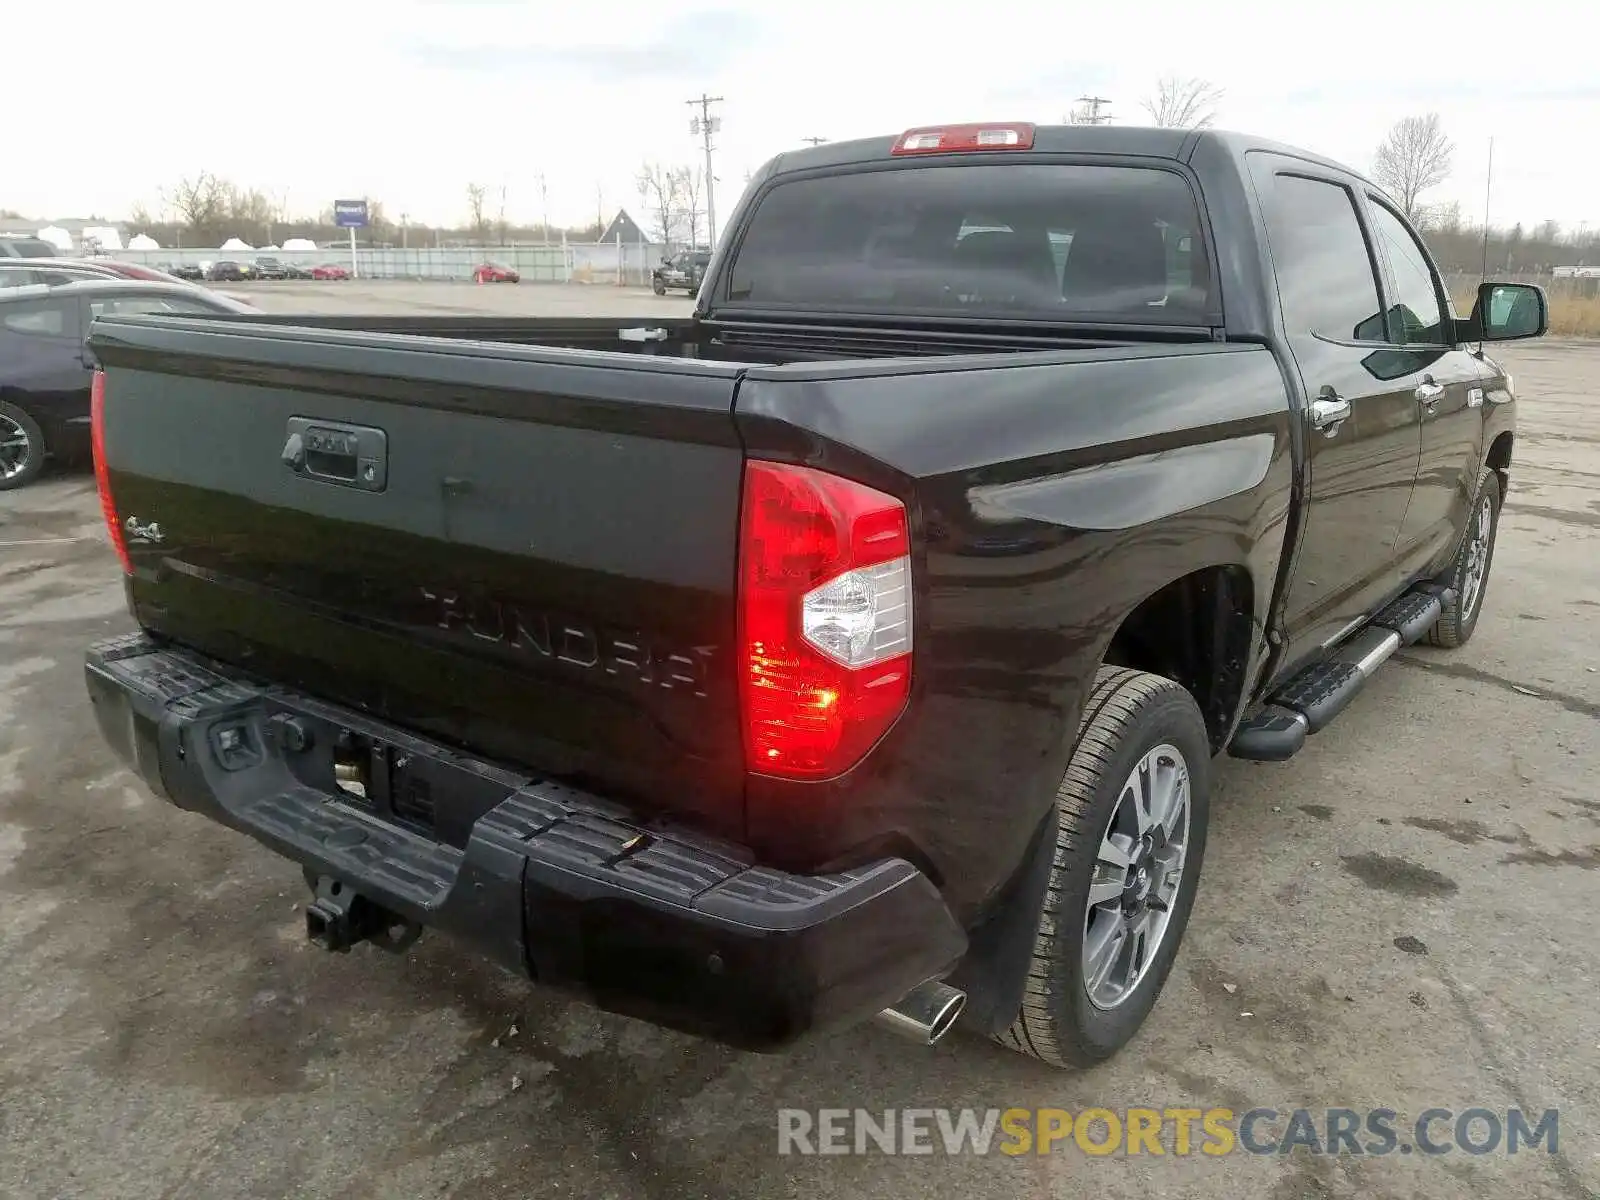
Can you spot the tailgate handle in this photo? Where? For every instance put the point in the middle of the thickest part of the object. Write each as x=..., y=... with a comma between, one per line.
x=334, y=452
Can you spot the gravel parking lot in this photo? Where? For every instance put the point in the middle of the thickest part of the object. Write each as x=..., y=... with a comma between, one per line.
x=1402, y=917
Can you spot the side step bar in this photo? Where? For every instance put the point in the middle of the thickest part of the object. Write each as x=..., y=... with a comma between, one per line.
x=1318, y=694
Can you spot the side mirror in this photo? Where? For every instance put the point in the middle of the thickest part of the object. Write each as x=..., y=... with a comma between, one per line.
x=1506, y=312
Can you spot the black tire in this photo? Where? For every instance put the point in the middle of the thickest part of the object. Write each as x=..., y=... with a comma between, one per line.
x=1128, y=715
x=15, y=423
x=1460, y=617
x=658, y=287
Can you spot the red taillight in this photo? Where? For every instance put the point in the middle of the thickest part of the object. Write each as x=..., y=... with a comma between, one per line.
x=950, y=139
x=102, y=472
x=824, y=619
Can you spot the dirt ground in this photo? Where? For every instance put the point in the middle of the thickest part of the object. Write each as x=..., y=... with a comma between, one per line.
x=1403, y=916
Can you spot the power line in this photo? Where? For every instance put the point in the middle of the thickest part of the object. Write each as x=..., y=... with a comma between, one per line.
x=1093, y=116
x=705, y=125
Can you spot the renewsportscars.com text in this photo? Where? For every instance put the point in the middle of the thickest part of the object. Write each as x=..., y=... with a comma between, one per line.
x=1161, y=1131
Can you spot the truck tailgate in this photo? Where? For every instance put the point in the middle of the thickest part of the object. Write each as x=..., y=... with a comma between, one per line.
x=524, y=550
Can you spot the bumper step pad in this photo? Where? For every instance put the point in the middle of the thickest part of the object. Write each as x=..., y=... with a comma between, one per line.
x=648, y=918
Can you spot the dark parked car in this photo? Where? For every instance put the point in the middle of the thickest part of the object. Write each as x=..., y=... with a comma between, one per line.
x=857, y=645
x=267, y=267
x=681, y=272
x=229, y=271
x=45, y=369
x=185, y=270
x=18, y=246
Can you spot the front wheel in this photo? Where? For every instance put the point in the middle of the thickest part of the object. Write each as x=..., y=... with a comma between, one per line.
x=22, y=447
x=1469, y=573
x=658, y=287
x=1131, y=815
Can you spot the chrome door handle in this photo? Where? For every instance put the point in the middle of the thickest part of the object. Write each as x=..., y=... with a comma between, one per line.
x=1428, y=392
x=1329, y=411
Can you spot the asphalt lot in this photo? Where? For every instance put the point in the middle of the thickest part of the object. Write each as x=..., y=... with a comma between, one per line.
x=1401, y=917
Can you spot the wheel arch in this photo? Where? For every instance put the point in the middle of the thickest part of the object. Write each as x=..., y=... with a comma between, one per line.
x=1498, y=459
x=1196, y=630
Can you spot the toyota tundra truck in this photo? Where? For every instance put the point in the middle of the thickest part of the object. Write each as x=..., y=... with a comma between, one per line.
x=857, y=646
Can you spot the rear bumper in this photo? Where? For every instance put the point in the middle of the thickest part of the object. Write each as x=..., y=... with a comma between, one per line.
x=568, y=888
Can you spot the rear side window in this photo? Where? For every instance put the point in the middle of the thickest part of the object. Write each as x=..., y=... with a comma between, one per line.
x=1023, y=240
x=1325, y=274
x=45, y=318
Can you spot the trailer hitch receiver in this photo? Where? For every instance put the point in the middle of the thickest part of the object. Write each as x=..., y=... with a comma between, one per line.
x=338, y=918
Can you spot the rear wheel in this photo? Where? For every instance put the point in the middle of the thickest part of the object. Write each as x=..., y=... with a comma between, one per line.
x=1131, y=815
x=1469, y=573
x=22, y=447
x=658, y=287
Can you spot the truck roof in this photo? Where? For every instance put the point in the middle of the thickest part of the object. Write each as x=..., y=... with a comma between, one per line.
x=1143, y=141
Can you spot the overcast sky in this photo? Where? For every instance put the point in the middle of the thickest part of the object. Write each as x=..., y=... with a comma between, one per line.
x=410, y=100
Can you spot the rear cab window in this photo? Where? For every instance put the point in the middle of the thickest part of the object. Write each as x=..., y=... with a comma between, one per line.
x=1026, y=241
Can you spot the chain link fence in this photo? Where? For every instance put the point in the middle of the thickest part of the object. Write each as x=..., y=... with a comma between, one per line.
x=619, y=264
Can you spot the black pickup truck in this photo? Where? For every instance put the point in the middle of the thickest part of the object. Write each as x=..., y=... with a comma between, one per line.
x=859, y=645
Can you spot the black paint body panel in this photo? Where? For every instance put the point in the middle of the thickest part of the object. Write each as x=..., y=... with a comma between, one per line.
x=1030, y=555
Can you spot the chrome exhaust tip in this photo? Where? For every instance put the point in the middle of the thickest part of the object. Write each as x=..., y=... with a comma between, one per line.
x=926, y=1013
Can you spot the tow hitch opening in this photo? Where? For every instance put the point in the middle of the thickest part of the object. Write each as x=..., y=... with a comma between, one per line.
x=338, y=918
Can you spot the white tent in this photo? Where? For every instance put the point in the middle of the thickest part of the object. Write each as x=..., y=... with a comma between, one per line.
x=299, y=244
x=57, y=237
x=107, y=237
x=143, y=241
x=234, y=243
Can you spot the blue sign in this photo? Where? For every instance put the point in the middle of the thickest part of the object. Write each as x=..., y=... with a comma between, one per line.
x=350, y=214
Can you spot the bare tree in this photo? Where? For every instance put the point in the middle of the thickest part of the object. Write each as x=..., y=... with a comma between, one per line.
x=1183, y=103
x=1413, y=158
x=660, y=192
x=691, y=195
x=477, y=194
x=201, y=202
x=252, y=209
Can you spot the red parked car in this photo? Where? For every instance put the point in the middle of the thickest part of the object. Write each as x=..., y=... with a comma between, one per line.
x=495, y=273
x=329, y=271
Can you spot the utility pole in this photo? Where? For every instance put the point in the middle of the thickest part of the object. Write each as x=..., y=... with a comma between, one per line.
x=705, y=125
x=544, y=211
x=1092, y=116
